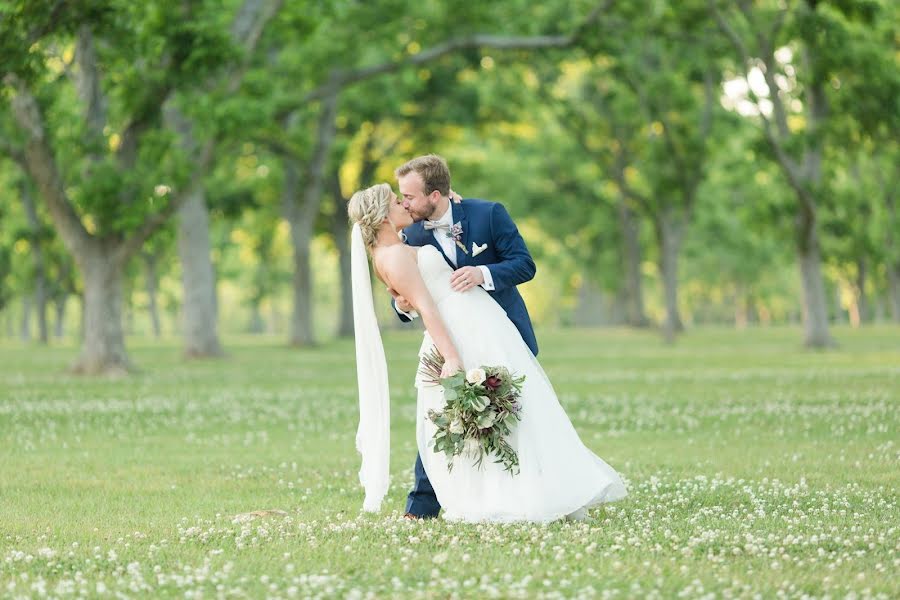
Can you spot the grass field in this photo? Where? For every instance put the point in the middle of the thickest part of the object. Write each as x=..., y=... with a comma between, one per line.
x=754, y=467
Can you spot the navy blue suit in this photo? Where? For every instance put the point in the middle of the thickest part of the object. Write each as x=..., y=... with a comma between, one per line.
x=508, y=260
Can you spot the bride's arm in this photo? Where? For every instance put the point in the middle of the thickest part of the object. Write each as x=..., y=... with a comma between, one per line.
x=401, y=273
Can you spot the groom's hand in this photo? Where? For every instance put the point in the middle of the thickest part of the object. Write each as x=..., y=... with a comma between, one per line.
x=465, y=278
x=400, y=302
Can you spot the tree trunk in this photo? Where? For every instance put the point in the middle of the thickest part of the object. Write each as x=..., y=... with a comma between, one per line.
x=60, y=305
x=893, y=275
x=631, y=256
x=805, y=176
x=151, y=279
x=37, y=257
x=591, y=310
x=40, y=305
x=892, y=262
x=815, y=311
x=198, y=276
x=302, y=333
x=25, y=325
x=275, y=317
x=301, y=215
x=878, y=309
x=128, y=308
x=669, y=235
x=341, y=234
x=862, y=300
x=101, y=261
x=741, y=307
x=810, y=179
x=103, y=348
x=836, y=315
x=257, y=323
x=301, y=237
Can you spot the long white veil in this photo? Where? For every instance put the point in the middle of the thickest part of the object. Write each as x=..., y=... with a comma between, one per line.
x=373, y=437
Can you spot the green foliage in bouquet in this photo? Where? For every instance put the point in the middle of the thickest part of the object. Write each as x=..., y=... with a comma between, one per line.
x=481, y=408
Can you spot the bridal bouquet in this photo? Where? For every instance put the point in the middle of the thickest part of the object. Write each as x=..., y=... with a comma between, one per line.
x=481, y=408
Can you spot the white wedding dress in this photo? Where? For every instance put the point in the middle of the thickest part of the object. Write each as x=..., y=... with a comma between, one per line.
x=559, y=474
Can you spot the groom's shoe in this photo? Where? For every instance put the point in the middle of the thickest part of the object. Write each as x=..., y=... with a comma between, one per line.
x=411, y=517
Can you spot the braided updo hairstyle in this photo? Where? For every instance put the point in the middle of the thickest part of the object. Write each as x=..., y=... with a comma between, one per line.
x=369, y=208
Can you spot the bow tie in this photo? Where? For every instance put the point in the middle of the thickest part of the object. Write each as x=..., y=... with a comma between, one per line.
x=430, y=225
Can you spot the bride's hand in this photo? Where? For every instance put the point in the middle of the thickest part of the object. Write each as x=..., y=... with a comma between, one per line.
x=451, y=367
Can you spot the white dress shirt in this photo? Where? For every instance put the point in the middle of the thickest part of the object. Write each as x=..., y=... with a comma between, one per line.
x=448, y=246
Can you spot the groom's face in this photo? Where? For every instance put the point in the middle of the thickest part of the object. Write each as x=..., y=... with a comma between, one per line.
x=417, y=203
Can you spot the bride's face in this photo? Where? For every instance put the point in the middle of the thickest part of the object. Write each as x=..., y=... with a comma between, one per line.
x=397, y=214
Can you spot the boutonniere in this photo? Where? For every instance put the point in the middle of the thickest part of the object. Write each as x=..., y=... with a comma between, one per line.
x=456, y=232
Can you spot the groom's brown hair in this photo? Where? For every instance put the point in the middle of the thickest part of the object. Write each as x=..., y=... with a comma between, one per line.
x=432, y=169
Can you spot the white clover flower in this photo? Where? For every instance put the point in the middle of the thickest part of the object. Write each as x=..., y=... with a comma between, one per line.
x=476, y=376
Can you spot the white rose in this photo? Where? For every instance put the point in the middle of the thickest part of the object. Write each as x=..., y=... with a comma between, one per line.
x=476, y=376
x=456, y=426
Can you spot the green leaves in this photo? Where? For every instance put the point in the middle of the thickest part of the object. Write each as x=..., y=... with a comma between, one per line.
x=476, y=418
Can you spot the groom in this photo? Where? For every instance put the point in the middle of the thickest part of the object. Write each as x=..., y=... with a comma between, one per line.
x=482, y=244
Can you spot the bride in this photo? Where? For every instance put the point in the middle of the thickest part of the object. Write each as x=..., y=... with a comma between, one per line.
x=559, y=477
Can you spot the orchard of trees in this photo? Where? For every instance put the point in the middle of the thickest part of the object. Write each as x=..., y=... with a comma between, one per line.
x=182, y=167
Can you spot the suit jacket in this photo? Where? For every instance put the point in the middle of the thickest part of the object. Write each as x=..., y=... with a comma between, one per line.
x=506, y=255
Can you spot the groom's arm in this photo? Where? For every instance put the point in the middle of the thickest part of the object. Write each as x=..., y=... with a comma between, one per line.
x=516, y=265
x=404, y=315
x=405, y=311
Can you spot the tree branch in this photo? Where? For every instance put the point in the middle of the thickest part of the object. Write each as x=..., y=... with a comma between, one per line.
x=775, y=97
x=654, y=113
x=621, y=163
x=709, y=102
x=276, y=146
x=342, y=79
x=620, y=152
x=12, y=151
x=53, y=18
x=145, y=115
x=246, y=28
x=40, y=163
x=732, y=35
x=88, y=85
x=705, y=129
x=152, y=224
x=790, y=166
x=324, y=141
x=251, y=20
x=766, y=51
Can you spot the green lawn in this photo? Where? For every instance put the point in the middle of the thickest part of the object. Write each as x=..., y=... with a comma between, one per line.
x=754, y=467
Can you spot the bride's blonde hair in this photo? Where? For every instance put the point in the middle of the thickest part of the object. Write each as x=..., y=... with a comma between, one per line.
x=369, y=208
